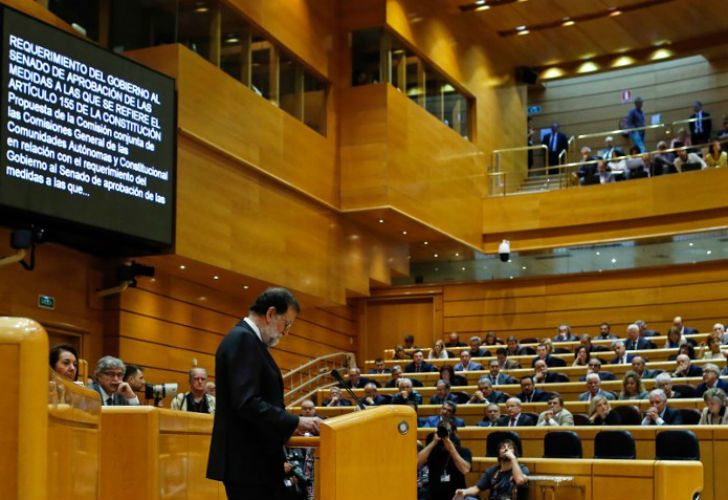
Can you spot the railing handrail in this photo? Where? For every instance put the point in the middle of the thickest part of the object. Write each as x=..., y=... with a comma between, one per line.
x=619, y=131
x=349, y=355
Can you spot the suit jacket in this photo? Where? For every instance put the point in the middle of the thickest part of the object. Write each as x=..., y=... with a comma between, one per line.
x=689, y=331
x=251, y=424
x=435, y=420
x=436, y=400
x=341, y=402
x=641, y=344
x=522, y=420
x=373, y=371
x=670, y=416
x=487, y=423
x=650, y=373
x=616, y=361
x=693, y=371
x=551, y=377
x=496, y=397
x=362, y=382
x=424, y=367
x=538, y=396
x=564, y=417
x=707, y=124
x=472, y=367
x=602, y=376
x=700, y=390
x=569, y=338
x=482, y=353
x=584, y=396
x=502, y=379
x=117, y=399
x=379, y=399
x=561, y=143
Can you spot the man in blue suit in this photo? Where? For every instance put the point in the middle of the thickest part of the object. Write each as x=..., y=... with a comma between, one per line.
x=466, y=365
x=660, y=413
x=711, y=379
x=447, y=413
x=565, y=334
x=634, y=341
x=677, y=322
x=622, y=357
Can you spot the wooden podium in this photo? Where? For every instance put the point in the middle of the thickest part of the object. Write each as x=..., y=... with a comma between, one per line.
x=366, y=454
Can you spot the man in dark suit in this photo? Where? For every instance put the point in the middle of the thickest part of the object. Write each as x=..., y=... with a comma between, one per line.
x=379, y=367
x=529, y=393
x=644, y=331
x=492, y=415
x=356, y=381
x=711, y=379
x=515, y=418
x=418, y=364
x=496, y=377
x=639, y=366
x=556, y=142
x=677, y=322
x=336, y=398
x=372, y=398
x=454, y=341
x=542, y=352
x=443, y=394
x=475, y=350
x=485, y=393
x=542, y=375
x=595, y=366
x=634, y=342
x=447, y=414
x=108, y=383
x=622, y=357
x=564, y=334
x=659, y=413
x=702, y=127
x=685, y=367
x=251, y=424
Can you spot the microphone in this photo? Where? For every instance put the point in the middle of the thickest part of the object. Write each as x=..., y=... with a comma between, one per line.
x=337, y=376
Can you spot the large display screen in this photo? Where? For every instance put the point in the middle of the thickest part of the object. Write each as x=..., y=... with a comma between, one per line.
x=88, y=136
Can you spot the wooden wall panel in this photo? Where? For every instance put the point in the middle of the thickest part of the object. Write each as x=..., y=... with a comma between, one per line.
x=388, y=321
x=536, y=306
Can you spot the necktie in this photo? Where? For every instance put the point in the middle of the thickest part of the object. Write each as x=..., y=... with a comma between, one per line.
x=109, y=401
x=554, y=137
x=699, y=123
x=513, y=422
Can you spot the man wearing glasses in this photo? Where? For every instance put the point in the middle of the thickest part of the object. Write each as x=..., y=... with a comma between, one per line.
x=251, y=423
x=109, y=374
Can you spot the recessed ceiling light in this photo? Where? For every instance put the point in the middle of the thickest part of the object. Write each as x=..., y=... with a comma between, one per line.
x=520, y=28
x=216, y=277
x=598, y=252
x=404, y=232
x=709, y=252
x=426, y=243
x=457, y=254
x=183, y=267
x=245, y=287
x=381, y=221
x=463, y=268
x=614, y=261
x=690, y=244
x=436, y=256
x=524, y=32
x=524, y=268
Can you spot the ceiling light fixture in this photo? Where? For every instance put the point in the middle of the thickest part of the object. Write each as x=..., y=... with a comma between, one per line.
x=183, y=267
x=404, y=232
x=568, y=22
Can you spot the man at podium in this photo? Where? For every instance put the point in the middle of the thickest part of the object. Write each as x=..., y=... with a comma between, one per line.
x=251, y=424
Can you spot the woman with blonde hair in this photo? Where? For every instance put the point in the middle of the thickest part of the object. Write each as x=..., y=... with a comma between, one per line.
x=600, y=413
x=716, y=157
x=438, y=351
x=632, y=387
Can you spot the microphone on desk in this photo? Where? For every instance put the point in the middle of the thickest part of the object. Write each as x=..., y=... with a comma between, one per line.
x=337, y=376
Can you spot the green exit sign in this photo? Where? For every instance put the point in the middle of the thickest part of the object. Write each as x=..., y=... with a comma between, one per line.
x=46, y=302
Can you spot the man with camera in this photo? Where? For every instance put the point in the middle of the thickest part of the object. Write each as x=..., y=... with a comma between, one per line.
x=446, y=460
x=501, y=480
x=196, y=400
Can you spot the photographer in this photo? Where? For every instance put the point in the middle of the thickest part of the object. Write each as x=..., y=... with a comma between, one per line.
x=196, y=400
x=502, y=480
x=297, y=476
x=446, y=461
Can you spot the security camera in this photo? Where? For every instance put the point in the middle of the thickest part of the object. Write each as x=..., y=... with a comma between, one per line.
x=504, y=250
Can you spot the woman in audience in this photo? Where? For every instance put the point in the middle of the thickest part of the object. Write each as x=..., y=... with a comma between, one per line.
x=581, y=356
x=600, y=413
x=632, y=387
x=447, y=373
x=713, y=349
x=400, y=353
x=438, y=351
x=674, y=338
x=635, y=167
x=714, y=412
x=716, y=157
x=491, y=339
x=64, y=361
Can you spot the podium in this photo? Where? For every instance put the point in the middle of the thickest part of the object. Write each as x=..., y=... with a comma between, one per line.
x=367, y=454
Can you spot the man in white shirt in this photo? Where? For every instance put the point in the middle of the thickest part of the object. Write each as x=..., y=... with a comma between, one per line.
x=683, y=157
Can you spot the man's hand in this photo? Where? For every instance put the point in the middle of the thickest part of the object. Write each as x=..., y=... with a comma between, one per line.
x=652, y=414
x=125, y=390
x=459, y=495
x=308, y=425
x=548, y=415
x=404, y=394
x=287, y=468
x=509, y=455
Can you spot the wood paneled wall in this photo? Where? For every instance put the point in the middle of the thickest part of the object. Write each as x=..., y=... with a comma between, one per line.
x=592, y=103
x=534, y=307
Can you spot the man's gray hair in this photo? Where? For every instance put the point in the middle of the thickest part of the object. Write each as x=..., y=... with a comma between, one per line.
x=592, y=376
x=633, y=327
x=370, y=385
x=191, y=373
x=484, y=380
x=617, y=343
x=514, y=400
x=109, y=363
x=404, y=381
x=658, y=393
x=710, y=367
x=663, y=377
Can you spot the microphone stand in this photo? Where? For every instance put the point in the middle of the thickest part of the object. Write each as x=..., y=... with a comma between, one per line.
x=337, y=376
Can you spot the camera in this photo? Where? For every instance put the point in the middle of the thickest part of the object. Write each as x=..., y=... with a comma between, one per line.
x=160, y=391
x=296, y=457
x=443, y=431
x=504, y=250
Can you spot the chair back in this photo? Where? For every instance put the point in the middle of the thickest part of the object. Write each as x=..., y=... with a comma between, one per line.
x=677, y=445
x=581, y=419
x=690, y=416
x=493, y=441
x=685, y=390
x=630, y=415
x=562, y=444
x=614, y=445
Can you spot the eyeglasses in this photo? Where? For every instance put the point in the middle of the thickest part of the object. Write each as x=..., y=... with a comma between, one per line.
x=287, y=324
x=112, y=374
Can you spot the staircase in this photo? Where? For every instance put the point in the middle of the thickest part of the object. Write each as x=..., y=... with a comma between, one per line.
x=303, y=382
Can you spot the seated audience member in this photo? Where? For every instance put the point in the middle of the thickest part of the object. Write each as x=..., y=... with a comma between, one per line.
x=605, y=332
x=587, y=166
x=640, y=367
x=64, y=361
x=716, y=158
x=529, y=393
x=355, y=380
x=660, y=413
x=406, y=393
x=635, y=166
x=466, y=364
x=542, y=352
x=409, y=342
x=506, y=364
x=514, y=417
x=603, y=174
x=395, y=375
x=418, y=364
x=662, y=160
x=685, y=367
x=210, y=388
x=594, y=389
x=600, y=413
x=632, y=387
x=542, y=375
x=513, y=348
x=581, y=356
x=442, y=394
x=610, y=150
x=634, y=342
x=454, y=341
x=195, y=400
x=486, y=393
x=711, y=349
x=502, y=481
x=336, y=398
x=595, y=366
x=134, y=376
x=719, y=330
x=447, y=373
x=475, y=350
x=379, y=367
x=491, y=339
x=674, y=338
x=556, y=415
x=447, y=415
x=308, y=409
x=372, y=397
x=447, y=462
x=664, y=381
x=644, y=331
x=723, y=134
x=492, y=415
x=564, y=334
x=438, y=351
x=108, y=383
x=622, y=357
x=714, y=412
x=711, y=379
x=585, y=340
x=681, y=139
x=684, y=158
x=400, y=353
x=677, y=322
x=496, y=377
